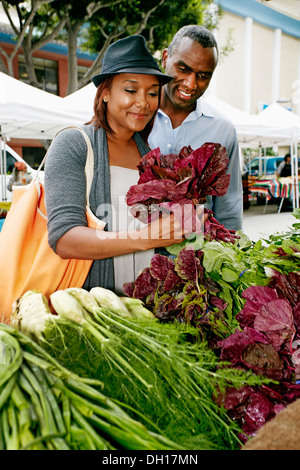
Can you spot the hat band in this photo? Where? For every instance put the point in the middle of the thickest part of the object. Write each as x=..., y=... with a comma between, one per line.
x=131, y=64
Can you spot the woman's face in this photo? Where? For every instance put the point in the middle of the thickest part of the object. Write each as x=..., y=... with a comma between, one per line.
x=131, y=101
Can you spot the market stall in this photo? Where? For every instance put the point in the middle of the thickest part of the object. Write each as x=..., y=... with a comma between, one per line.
x=273, y=188
x=117, y=373
x=199, y=353
x=286, y=125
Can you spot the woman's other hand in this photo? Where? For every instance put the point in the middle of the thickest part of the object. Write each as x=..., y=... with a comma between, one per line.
x=163, y=231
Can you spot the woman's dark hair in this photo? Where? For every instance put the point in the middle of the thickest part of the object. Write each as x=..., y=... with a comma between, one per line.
x=99, y=119
x=100, y=110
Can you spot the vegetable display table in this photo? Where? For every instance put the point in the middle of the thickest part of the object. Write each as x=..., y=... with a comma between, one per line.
x=5, y=206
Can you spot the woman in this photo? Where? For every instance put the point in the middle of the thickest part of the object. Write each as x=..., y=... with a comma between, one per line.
x=127, y=98
x=19, y=177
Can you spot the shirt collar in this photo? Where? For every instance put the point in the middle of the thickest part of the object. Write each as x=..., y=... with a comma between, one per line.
x=202, y=108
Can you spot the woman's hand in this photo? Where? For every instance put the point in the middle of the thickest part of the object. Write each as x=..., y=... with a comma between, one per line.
x=163, y=231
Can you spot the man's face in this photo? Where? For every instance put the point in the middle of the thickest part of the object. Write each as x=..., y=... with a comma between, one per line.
x=192, y=67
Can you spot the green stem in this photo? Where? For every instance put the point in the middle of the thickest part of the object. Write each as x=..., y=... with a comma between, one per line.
x=80, y=439
x=129, y=441
x=27, y=387
x=49, y=426
x=66, y=413
x=40, y=439
x=7, y=389
x=13, y=441
x=2, y=445
x=110, y=410
x=59, y=443
x=27, y=441
x=12, y=356
x=23, y=405
x=94, y=328
x=5, y=427
x=47, y=383
x=100, y=443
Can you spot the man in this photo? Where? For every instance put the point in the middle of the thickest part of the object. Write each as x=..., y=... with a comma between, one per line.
x=285, y=167
x=185, y=119
x=284, y=170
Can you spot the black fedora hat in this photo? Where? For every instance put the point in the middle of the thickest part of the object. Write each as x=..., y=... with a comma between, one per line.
x=129, y=55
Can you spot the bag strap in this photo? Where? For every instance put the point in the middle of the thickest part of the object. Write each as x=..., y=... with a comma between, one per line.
x=89, y=166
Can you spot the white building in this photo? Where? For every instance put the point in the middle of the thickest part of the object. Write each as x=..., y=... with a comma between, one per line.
x=264, y=66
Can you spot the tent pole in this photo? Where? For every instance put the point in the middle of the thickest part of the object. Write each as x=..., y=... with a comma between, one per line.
x=3, y=168
x=296, y=175
x=292, y=175
x=260, y=160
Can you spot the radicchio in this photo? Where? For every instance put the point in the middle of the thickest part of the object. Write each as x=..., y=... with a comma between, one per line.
x=178, y=183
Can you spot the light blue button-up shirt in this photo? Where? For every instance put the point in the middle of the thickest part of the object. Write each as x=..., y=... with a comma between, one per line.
x=206, y=124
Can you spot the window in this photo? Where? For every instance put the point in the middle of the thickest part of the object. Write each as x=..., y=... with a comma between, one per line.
x=46, y=73
x=33, y=156
x=81, y=71
x=10, y=163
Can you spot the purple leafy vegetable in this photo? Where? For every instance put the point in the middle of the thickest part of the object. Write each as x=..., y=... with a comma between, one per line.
x=178, y=183
x=267, y=343
x=178, y=290
x=187, y=265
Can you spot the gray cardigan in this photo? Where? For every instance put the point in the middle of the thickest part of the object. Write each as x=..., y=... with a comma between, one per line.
x=65, y=191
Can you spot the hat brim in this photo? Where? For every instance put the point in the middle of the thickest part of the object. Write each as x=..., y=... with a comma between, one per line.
x=139, y=70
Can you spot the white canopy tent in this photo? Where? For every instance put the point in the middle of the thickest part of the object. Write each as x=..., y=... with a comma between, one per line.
x=282, y=122
x=81, y=102
x=27, y=112
x=254, y=130
x=239, y=118
x=30, y=113
x=251, y=132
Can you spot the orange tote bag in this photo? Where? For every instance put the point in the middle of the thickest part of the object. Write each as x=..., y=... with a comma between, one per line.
x=26, y=260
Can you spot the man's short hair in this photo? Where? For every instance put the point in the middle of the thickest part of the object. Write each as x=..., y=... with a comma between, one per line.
x=195, y=32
